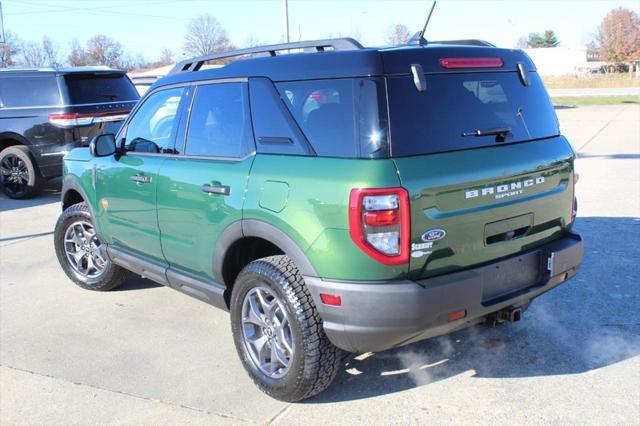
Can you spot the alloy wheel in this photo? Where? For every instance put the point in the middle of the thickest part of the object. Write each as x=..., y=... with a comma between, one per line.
x=266, y=331
x=14, y=174
x=82, y=248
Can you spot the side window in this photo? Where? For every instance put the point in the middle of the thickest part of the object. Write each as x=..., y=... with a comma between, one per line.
x=219, y=125
x=151, y=129
x=29, y=91
x=345, y=118
x=275, y=129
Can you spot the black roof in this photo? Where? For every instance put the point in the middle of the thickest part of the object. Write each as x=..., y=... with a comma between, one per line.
x=62, y=70
x=351, y=61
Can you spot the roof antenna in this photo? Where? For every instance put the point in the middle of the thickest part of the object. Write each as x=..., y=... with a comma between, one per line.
x=418, y=38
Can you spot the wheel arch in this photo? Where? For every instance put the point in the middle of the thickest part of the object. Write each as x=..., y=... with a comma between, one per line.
x=73, y=193
x=8, y=139
x=253, y=239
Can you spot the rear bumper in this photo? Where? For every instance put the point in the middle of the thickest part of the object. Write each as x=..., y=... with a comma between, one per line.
x=376, y=316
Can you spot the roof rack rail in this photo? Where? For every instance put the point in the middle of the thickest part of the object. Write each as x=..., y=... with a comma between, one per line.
x=194, y=64
x=466, y=42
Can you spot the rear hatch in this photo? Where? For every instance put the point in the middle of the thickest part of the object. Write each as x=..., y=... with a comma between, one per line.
x=480, y=154
x=95, y=103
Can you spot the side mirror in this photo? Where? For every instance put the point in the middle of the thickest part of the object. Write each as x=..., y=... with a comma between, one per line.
x=103, y=145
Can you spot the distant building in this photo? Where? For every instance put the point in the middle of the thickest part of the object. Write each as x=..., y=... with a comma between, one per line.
x=563, y=60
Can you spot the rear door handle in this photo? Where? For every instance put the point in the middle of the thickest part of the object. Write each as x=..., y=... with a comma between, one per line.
x=217, y=189
x=140, y=179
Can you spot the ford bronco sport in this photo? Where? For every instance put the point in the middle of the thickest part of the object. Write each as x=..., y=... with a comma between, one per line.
x=332, y=197
x=46, y=112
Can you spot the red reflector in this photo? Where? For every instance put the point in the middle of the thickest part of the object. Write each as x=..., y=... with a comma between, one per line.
x=381, y=218
x=330, y=299
x=471, y=62
x=456, y=315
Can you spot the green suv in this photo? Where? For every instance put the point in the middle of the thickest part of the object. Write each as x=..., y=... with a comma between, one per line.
x=332, y=197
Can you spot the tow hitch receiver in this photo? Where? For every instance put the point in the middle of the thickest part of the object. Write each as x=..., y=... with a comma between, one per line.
x=508, y=314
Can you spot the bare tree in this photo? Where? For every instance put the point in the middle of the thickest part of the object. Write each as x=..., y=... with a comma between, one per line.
x=33, y=55
x=78, y=56
x=51, y=52
x=522, y=43
x=166, y=57
x=102, y=50
x=10, y=49
x=398, y=34
x=205, y=36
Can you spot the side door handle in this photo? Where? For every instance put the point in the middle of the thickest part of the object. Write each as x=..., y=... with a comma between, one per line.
x=217, y=189
x=140, y=179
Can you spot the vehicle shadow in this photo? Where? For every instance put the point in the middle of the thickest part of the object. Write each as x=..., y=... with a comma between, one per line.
x=50, y=194
x=588, y=323
x=135, y=282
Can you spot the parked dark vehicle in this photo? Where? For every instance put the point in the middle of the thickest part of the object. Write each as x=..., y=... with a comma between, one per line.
x=46, y=112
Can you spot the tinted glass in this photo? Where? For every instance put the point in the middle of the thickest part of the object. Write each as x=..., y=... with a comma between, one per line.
x=96, y=88
x=29, y=91
x=341, y=117
x=219, y=125
x=152, y=127
x=453, y=104
x=275, y=129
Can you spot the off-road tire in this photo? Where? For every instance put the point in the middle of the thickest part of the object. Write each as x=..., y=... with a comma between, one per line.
x=35, y=180
x=113, y=274
x=316, y=360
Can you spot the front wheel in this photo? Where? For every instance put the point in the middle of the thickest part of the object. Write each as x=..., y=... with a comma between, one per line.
x=278, y=332
x=80, y=254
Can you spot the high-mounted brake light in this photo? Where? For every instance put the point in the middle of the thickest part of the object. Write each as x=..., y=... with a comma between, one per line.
x=379, y=223
x=471, y=62
x=86, y=119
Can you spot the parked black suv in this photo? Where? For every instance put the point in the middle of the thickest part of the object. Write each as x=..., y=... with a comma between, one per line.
x=46, y=112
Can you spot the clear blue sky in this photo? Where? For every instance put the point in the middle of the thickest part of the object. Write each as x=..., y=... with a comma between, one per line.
x=147, y=26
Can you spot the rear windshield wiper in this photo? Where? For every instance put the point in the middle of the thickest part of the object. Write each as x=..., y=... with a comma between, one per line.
x=109, y=96
x=499, y=132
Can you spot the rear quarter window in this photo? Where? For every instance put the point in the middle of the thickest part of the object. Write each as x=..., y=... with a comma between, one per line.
x=456, y=104
x=98, y=88
x=31, y=91
x=344, y=118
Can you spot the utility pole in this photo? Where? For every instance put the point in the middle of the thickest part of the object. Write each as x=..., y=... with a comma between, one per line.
x=285, y=20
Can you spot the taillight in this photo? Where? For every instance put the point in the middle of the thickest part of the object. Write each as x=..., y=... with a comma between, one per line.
x=86, y=119
x=69, y=120
x=471, y=62
x=379, y=223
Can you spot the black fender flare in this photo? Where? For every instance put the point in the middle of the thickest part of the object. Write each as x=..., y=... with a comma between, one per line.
x=264, y=230
x=70, y=184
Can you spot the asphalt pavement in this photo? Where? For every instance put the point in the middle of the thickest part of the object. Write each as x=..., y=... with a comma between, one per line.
x=145, y=354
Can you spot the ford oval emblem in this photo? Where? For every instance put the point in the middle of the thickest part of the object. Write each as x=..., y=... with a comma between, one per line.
x=434, y=234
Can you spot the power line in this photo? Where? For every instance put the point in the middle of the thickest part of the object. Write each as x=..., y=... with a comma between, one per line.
x=93, y=10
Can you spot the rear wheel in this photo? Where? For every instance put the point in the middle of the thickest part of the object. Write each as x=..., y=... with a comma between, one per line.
x=278, y=332
x=80, y=252
x=19, y=175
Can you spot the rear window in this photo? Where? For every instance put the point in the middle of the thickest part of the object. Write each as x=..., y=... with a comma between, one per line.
x=341, y=117
x=97, y=88
x=29, y=91
x=456, y=104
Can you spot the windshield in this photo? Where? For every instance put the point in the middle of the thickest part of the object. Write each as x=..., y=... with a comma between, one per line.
x=467, y=110
x=97, y=88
